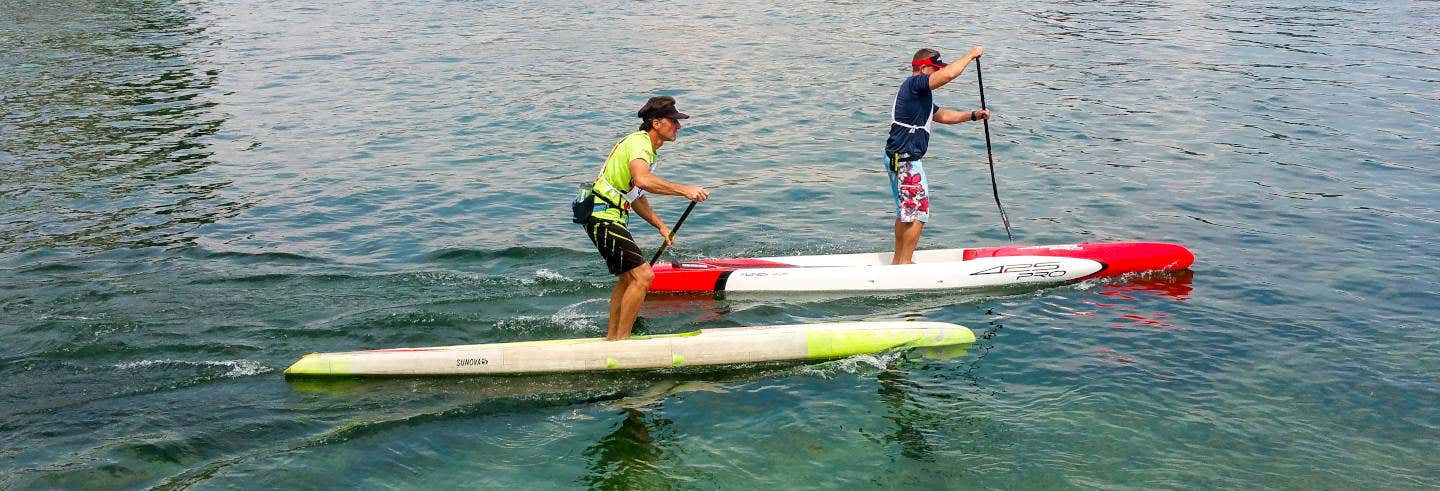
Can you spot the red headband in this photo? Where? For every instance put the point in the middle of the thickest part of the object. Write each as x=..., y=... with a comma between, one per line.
x=926, y=62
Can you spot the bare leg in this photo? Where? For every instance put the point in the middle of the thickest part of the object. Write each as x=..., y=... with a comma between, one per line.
x=617, y=296
x=622, y=319
x=907, y=236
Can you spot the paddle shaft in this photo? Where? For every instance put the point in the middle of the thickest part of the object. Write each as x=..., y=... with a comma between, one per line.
x=994, y=188
x=674, y=229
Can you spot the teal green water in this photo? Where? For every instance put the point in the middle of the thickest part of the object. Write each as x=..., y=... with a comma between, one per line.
x=195, y=194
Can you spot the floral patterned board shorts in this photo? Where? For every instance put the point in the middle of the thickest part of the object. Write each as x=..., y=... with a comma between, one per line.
x=911, y=190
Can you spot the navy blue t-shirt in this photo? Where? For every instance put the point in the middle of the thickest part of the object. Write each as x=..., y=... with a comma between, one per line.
x=912, y=106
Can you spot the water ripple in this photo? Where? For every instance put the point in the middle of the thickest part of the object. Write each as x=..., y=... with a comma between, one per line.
x=193, y=195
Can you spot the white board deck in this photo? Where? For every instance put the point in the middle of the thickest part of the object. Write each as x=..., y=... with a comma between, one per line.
x=724, y=346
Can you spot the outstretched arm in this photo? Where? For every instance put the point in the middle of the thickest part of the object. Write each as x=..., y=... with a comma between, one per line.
x=954, y=69
x=951, y=116
x=641, y=176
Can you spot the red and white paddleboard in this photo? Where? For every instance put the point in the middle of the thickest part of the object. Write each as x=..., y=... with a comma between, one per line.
x=941, y=269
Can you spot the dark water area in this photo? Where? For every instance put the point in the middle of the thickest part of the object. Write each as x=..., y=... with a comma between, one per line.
x=194, y=195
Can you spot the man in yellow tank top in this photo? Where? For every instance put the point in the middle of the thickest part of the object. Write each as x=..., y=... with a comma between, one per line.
x=620, y=188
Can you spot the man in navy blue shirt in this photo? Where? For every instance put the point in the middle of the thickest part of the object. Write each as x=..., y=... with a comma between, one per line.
x=910, y=120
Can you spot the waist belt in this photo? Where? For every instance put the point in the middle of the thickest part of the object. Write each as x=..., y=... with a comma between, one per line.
x=902, y=157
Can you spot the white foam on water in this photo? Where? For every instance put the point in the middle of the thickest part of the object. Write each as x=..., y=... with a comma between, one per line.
x=546, y=274
x=237, y=368
x=855, y=365
x=46, y=317
x=573, y=319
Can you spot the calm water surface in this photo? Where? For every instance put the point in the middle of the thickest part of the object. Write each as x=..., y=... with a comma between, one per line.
x=195, y=194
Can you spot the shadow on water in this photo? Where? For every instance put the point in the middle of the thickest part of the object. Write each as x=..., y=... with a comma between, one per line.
x=104, y=133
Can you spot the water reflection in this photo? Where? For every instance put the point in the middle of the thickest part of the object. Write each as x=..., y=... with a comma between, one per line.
x=1174, y=286
x=914, y=412
x=702, y=307
x=894, y=391
x=626, y=458
x=106, y=129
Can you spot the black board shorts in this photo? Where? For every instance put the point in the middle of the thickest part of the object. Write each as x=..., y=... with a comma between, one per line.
x=615, y=245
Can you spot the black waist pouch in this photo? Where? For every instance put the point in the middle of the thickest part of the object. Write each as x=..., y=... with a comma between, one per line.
x=584, y=204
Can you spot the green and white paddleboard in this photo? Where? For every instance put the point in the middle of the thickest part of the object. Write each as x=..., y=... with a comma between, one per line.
x=706, y=347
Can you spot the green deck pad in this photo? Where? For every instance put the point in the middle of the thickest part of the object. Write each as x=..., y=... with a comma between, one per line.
x=320, y=364
x=833, y=344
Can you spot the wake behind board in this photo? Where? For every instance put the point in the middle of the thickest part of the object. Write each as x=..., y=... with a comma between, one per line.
x=941, y=269
x=723, y=346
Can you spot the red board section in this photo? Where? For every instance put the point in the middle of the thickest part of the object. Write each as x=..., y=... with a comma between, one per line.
x=701, y=276
x=1118, y=257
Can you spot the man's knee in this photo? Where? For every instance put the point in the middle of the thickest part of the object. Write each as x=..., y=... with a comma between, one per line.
x=644, y=274
x=641, y=274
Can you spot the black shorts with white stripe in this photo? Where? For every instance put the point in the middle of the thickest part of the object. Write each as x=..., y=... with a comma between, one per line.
x=615, y=245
